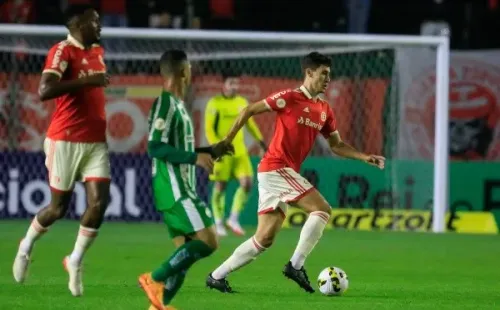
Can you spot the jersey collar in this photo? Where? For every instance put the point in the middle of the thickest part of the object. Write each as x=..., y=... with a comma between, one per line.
x=75, y=42
x=304, y=90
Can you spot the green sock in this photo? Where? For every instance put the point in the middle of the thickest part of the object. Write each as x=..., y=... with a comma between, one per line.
x=239, y=201
x=218, y=204
x=172, y=286
x=182, y=259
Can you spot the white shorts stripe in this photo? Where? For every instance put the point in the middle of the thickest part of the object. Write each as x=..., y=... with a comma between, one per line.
x=279, y=187
x=173, y=178
x=193, y=214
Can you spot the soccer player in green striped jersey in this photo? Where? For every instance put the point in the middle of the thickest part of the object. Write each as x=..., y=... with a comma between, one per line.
x=171, y=146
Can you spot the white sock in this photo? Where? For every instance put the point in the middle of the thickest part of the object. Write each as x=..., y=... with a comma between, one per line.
x=234, y=217
x=85, y=238
x=35, y=231
x=309, y=237
x=244, y=254
x=219, y=222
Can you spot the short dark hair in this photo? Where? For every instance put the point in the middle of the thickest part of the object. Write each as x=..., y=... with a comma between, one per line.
x=75, y=11
x=171, y=61
x=314, y=60
x=228, y=74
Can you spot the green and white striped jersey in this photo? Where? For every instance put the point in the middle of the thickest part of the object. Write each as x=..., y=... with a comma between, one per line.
x=170, y=123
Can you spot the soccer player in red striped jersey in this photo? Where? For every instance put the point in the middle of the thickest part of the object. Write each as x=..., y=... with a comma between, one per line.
x=300, y=117
x=75, y=77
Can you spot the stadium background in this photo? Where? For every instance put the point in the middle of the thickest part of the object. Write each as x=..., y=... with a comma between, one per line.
x=361, y=92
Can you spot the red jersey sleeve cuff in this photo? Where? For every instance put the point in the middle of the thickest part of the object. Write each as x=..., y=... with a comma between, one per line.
x=53, y=72
x=267, y=105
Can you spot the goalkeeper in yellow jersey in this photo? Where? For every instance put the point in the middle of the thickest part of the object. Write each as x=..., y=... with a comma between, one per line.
x=220, y=114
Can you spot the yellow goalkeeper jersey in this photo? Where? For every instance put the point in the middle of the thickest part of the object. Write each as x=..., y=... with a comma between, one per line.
x=220, y=114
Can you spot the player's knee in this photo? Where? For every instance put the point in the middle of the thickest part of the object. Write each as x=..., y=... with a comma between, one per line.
x=209, y=237
x=265, y=239
x=324, y=208
x=220, y=186
x=57, y=211
x=246, y=184
x=98, y=204
x=213, y=244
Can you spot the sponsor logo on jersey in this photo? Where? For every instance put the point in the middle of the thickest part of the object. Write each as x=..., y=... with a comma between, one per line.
x=307, y=122
x=57, y=55
x=275, y=96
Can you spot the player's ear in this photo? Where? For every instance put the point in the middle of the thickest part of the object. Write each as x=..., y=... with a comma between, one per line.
x=309, y=72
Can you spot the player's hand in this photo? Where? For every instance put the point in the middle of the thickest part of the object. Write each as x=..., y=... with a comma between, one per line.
x=263, y=148
x=376, y=160
x=97, y=80
x=222, y=148
x=205, y=161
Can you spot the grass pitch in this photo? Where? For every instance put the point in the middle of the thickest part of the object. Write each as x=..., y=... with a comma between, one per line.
x=386, y=271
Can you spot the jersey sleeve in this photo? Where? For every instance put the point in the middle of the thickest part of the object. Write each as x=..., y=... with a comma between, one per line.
x=161, y=120
x=278, y=101
x=330, y=125
x=57, y=60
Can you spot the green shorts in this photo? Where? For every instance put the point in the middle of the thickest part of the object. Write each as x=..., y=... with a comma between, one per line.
x=187, y=216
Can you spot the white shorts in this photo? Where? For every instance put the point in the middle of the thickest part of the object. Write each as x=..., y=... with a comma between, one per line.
x=69, y=162
x=279, y=187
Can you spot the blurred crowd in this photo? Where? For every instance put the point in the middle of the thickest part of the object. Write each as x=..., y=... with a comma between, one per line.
x=471, y=23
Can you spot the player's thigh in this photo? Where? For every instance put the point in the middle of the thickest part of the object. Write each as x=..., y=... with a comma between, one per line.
x=63, y=161
x=311, y=202
x=243, y=167
x=269, y=224
x=222, y=169
x=96, y=166
x=281, y=187
x=187, y=216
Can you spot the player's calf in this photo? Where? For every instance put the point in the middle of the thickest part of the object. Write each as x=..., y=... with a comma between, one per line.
x=267, y=229
x=319, y=215
x=38, y=227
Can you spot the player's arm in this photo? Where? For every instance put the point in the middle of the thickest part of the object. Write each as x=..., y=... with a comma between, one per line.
x=159, y=145
x=253, y=129
x=275, y=102
x=51, y=86
x=245, y=114
x=211, y=120
x=343, y=149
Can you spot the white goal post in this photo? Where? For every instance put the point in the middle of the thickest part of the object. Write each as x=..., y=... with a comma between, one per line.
x=210, y=45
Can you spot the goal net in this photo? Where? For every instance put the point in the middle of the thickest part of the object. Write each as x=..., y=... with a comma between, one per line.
x=383, y=102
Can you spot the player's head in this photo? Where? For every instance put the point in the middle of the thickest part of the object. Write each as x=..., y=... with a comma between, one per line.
x=316, y=68
x=231, y=83
x=84, y=19
x=174, y=64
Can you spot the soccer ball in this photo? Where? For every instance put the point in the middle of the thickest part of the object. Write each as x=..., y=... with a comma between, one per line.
x=333, y=281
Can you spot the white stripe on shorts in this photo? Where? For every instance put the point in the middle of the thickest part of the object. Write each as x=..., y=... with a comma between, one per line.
x=193, y=214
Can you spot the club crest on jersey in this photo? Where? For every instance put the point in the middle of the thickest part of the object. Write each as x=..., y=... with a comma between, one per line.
x=323, y=116
x=160, y=124
x=281, y=103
